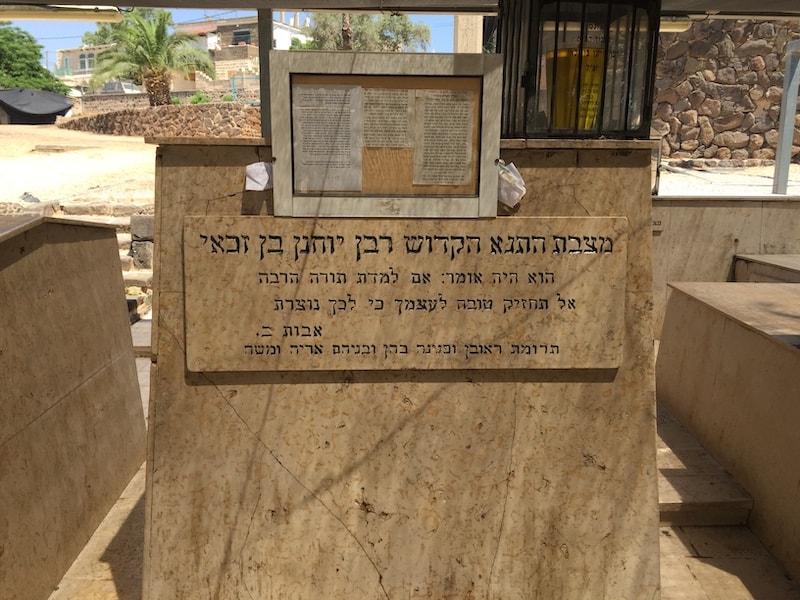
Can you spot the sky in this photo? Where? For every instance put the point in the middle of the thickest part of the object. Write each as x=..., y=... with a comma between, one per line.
x=60, y=35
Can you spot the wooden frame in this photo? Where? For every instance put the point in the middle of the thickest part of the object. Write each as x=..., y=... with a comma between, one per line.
x=384, y=186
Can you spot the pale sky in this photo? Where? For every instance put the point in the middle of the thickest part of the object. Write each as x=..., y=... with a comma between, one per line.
x=59, y=35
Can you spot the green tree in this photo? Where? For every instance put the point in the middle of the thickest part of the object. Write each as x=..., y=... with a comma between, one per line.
x=146, y=50
x=367, y=33
x=19, y=62
x=296, y=44
x=104, y=32
x=398, y=33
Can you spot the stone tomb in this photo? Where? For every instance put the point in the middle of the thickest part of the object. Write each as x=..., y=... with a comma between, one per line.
x=403, y=408
x=71, y=428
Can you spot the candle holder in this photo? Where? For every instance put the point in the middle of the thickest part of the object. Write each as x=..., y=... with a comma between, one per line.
x=580, y=69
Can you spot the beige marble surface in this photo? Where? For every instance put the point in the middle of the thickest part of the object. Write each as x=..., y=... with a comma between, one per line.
x=767, y=310
x=767, y=268
x=456, y=483
x=728, y=371
x=328, y=294
x=699, y=238
x=71, y=427
x=787, y=261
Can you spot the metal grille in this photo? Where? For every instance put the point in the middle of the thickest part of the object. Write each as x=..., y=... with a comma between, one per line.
x=581, y=68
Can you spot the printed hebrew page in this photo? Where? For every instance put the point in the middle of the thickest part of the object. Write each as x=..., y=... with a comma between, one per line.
x=387, y=118
x=327, y=138
x=444, y=131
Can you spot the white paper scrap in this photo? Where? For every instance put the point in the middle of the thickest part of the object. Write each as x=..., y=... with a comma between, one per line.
x=258, y=176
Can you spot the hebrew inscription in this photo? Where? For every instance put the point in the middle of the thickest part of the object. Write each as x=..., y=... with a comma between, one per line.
x=266, y=294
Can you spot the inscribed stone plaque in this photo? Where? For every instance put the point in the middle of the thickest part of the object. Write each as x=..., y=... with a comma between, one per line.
x=266, y=294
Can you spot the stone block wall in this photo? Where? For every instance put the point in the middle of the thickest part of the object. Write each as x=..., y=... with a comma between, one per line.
x=217, y=120
x=101, y=103
x=718, y=91
x=104, y=103
x=142, y=239
x=232, y=68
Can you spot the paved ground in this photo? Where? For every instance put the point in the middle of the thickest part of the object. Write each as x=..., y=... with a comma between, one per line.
x=722, y=181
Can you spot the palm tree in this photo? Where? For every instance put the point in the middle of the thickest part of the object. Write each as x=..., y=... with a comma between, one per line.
x=146, y=50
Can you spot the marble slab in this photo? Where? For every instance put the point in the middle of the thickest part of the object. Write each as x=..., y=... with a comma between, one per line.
x=400, y=483
x=315, y=294
x=71, y=426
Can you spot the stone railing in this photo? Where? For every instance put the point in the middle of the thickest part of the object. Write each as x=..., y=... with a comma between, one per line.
x=218, y=120
x=718, y=91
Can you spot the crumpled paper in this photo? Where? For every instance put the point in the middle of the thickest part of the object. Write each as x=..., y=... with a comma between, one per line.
x=510, y=185
x=258, y=177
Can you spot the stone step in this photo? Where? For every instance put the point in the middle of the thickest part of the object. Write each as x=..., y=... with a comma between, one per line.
x=139, y=293
x=141, y=279
x=693, y=489
x=140, y=333
x=767, y=268
x=133, y=308
x=124, y=241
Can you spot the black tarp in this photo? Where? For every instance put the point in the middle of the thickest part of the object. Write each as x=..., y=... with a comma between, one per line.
x=33, y=107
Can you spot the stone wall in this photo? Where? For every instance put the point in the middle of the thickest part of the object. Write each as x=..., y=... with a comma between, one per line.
x=718, y=91
x=232, y=68
x=103, y=103
x=218, y=120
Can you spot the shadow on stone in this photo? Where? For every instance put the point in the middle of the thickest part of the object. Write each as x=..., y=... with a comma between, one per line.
x=125, y=554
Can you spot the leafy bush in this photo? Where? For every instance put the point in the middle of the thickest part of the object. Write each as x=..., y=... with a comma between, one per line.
x=176, y=101
x=199, y=98
x=227, y=98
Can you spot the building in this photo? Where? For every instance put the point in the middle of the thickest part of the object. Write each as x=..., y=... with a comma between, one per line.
x=232, y=44
x=75, y=66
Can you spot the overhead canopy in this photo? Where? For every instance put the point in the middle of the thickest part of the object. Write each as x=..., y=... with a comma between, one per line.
x=24, y=106
x=722, y=8
x=58, y=12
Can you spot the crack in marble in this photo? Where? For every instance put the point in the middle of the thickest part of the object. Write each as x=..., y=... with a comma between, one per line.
x=247, y=537
x=509, y=477
x=297, y=480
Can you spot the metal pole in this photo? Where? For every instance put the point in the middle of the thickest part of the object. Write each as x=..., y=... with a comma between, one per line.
x=264, y=47
x=783, y=154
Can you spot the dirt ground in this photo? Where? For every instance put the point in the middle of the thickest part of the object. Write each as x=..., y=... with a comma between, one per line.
x=59, y=165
